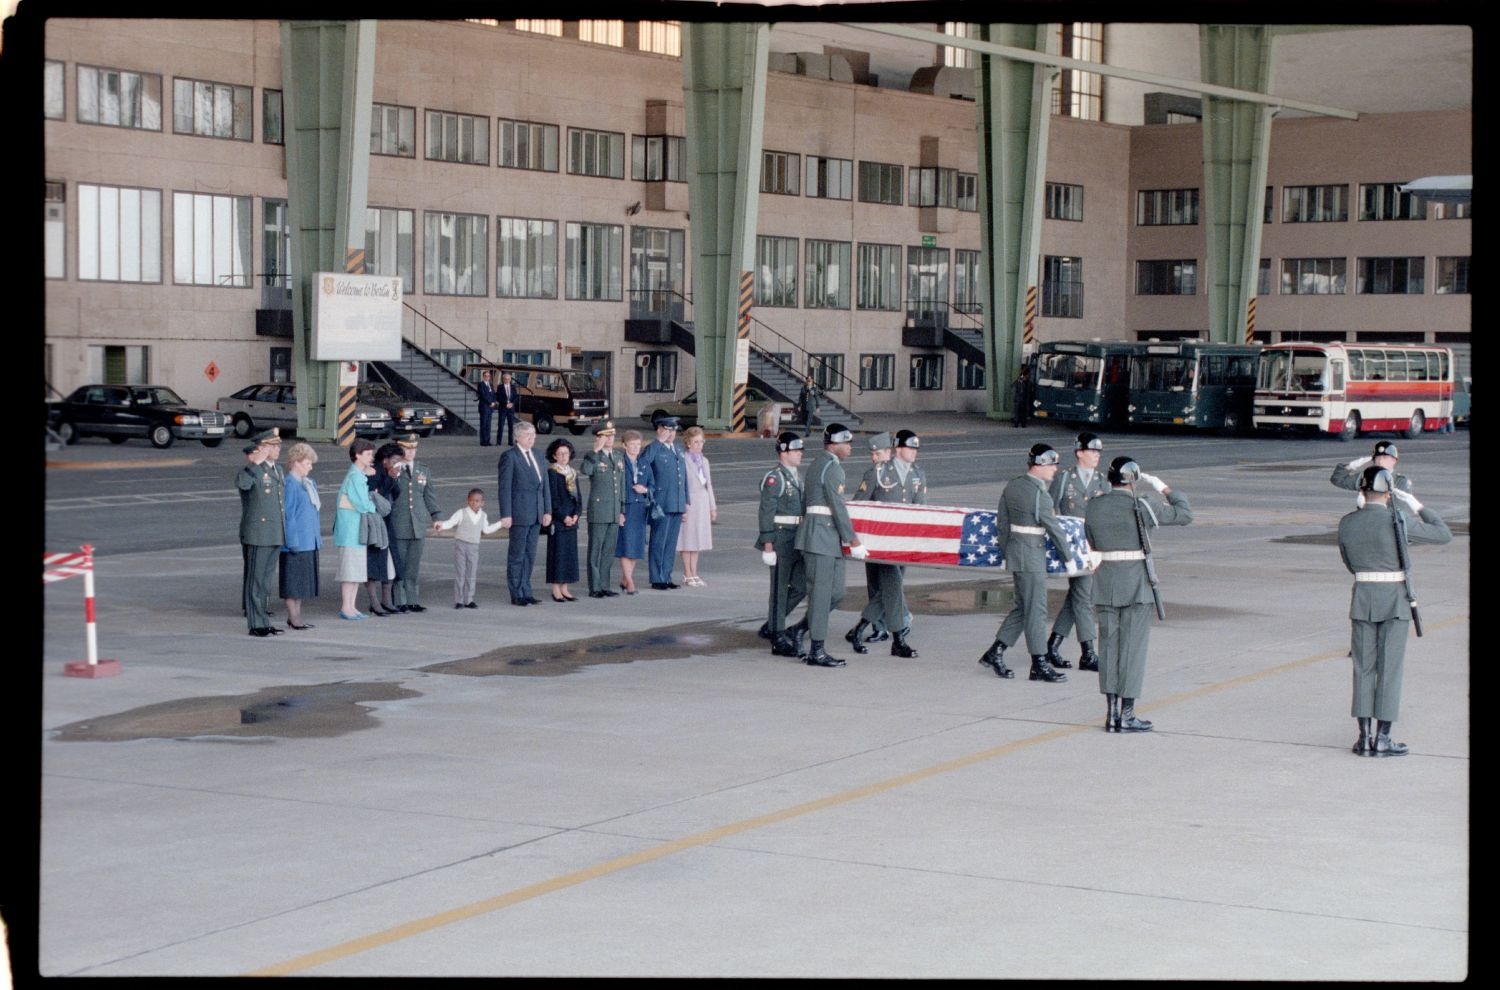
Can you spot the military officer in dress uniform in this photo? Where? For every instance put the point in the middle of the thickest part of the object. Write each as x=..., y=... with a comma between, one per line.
x=262, y=526
x=871, y=626
x=1379, y=609
x=1024, y=520
x=899, y=480
x=605, y=468
x=669, y=493
x=780, y=515
x=1116, y=526
x=412, y=516
x=1071, y=489
x=824, y=531
x=1385, y=455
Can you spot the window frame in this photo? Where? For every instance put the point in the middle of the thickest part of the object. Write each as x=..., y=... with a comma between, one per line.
x=572, y=276
x=1063, y=200
x=143, y=90
x=265, y=117
x=886, y=181
x=513, y=125
x=216, y=86
x=1310, y=201
x=1373, y=273
x=247, y=245
x=143, y=230
x=780, y=173
x=1451, y=279
x=432, y=272
x=1385, y=201
x=1167, y=276
x=525, y=271
x=660, y=368
x=455, y=119
x=1337, y=275
x=1068, y=294
x=1167, y=207
x=404, y=115
x=827, y=369
x=926, y=373
x=816, y=176
x=585, y=133
x=783, y=294
x=55, y=67
x=888, y=281
x=877, y=372
x=843, y=295
x=374, y=257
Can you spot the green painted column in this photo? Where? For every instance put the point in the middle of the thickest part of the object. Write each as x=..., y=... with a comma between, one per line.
x=1236, y=142
x=1013, y=107
x=327, y=73
x=724, y=95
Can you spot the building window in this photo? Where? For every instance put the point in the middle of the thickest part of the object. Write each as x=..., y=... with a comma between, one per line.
x=966, y=282
x=1077, y=93
x=779, y=171
x=830, y=178
x=1314, y=204
x=1452, y=276
x=454, y=358
x=1062, y=286
x=553, y=28
x=527, y=145
x=1386, y=201
x=655, y=371
x=661, y=38
x=458, y=137
x=827, y=371
x=967, y=194
x=1389, y=276
x=390, y=244
x=120, y=364
x=523, y=357
x=610, y=33
x=927, y=282
x=879, y=183
x=879, y=277
x=970, y=375
x=596, y=259
x=926, y=372
x=1263, y=278
x=1268, y=206
x=119, y=234
x=877, y=372
x=775, y=271
x=955, y=57
x=211, y=109
x=455, y=254
x=827, y=281
x=1452, y=211
x=270, y=117
x=658, y=158
x=275, y=244
x=932, y=186
x=55, y=229
x=598, y=153
x=525, y=258
x=1177, y=277
x=393, y=130
x=1312, y=276
x=119, y=98
x=1159, y=207
x=211, y=240
x=52, y=90
x=1064, y=202
x=656, y=271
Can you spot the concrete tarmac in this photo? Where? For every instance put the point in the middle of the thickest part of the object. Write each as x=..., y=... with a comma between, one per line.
x=636, y=787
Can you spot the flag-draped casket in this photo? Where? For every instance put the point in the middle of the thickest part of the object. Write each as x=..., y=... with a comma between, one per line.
x=945, y=536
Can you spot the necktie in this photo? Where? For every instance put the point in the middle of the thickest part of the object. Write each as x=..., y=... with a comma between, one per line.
x=533, y=464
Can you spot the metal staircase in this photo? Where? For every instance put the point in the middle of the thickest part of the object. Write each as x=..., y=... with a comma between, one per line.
x=419, y=375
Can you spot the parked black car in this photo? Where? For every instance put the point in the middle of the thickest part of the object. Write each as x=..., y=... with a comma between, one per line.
x=422, y=417
x=258, y=406
x=119, y=412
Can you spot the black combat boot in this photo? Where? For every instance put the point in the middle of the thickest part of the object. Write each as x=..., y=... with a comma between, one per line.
x=764, y=632
x=1362, y=745
x=1089, y=660
x=878, y=634
x=818, y=658
x=1128, y=722
x=784, y=645
x=1053, y=657
x=1383, y=745
x=1041, y=670
x=794, y=634
x=901, y=648
x=856, y=636
x=994, y=658
x=1112, y=713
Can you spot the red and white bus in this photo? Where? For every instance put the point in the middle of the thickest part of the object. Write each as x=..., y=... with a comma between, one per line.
x=1348, y=388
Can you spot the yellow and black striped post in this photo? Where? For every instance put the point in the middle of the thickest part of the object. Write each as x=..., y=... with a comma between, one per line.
x=1250, y=321
x=1028, y=329
x=354, y=264
x=741, y=332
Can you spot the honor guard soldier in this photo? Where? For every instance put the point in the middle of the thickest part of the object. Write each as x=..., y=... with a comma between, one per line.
x=1025, y=519
x=1125, y=584
x=412, y=516
x=821, y=537
x=262, y=527
x=605, y=468
x=898, y=480
x=780, y=515
x=1071, y=489
x=871, y=626
x=1373, y=541
x=1385, y=455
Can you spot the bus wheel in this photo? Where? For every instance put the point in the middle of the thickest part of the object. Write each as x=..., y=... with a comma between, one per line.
x=1414, y=428
x=1351, y=427
x=1231, y=424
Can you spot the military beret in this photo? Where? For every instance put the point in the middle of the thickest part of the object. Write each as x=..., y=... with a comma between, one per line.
x=788, y=440
x=880, y=441
x=837, y=433
x=906, y=438
x=1041, y=453
x=605, y=429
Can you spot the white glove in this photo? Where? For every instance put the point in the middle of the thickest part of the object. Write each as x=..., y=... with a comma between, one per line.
x=1096, y=557
x=859, y=552
x=768, y=557
x=1358, y=463
x=1408, y=498
x=1071, y=568
x=1153, y=481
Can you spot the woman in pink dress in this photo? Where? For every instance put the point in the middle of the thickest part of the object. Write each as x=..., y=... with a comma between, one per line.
x=696, y=534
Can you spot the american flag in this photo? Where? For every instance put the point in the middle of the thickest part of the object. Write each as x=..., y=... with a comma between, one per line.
x=943, y=536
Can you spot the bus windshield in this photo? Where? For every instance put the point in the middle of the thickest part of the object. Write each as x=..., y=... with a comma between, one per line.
x=1162, y=374
x=1075, y=371
x=1293, y=371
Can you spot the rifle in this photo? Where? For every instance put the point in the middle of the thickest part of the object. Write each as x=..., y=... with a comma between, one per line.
x=1405, y=560
x=1140, y=528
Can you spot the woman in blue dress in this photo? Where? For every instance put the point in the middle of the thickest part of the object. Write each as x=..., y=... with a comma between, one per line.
x=630, y=545
x=562, y=538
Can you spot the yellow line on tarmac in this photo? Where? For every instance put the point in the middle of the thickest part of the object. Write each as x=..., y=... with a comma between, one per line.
x=378, y=939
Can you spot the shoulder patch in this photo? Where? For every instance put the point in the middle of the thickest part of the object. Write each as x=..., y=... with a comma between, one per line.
x=770, y=481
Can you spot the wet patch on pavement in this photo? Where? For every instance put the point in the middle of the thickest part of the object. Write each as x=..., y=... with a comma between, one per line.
x=694, y=639
x=966, y=597
x=301, y=711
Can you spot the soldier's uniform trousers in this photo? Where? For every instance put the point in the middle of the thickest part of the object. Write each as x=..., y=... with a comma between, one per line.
x=662, y=553
x=260, y=583
x=1030, y=614
x=1078, y=610
x=601, y=552
x=887, y=587
x=788, y=579
x=1124, y=634
x=1379, y=650
x=408, y=586
x=825, y=590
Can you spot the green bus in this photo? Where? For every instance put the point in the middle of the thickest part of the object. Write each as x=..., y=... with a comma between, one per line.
x=1210, y=386
x=1077, y=381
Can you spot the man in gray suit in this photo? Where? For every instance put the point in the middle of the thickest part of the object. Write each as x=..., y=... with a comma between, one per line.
x=412, y=515
x=821, y=536
x=1379, y=610
x=525, y=507
x=605, y=468
x=262, y=527
x=1071, y=490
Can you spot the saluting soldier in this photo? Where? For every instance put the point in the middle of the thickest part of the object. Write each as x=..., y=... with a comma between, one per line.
x=1025, y=519
x=1071, y=490
x=605, y=468
x=901, y=480
x=1385, y=455
x=780, y=515
x=871, y=626
x=1116, y=524
x=822, y=535
x=412, y=516
x=1379, y=609
x=262, y=526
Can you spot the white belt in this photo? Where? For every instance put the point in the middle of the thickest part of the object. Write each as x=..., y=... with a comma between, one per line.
x=818, y=510
x=1381, y=577
x=788, y=520
x=1028, y=530
x=1122, y=555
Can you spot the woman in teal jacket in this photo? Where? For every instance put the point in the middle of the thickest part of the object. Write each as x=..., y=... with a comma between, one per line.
x=354, y=500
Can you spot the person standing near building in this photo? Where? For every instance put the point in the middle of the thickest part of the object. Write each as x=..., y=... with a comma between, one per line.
x=780, y=515
x=487, y=406
x=1117, y=526
x=696, y=534
x=262, y=527
x=1071, y=490
x=1020, y=397
x=471, y=523
x=525, y=507
x=508, y=404
x=1379, y=608
x=605, y=468
x=1385, y=455
x=1025, y=519
x=807, y=404
x=412, y=515
x=299, y=554
x=669, y=500
x=821, y=537
x=567, y=506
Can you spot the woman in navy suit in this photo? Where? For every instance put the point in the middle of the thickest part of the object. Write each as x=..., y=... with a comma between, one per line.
x=562, y=539
x=630, y=545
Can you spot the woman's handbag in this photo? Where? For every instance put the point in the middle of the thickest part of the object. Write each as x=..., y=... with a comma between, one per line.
x=656, y=512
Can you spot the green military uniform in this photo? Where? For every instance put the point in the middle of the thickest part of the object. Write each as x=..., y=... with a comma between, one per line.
x=1347, y=475
x=1071, y=491
x=1024, y=520
x=413, y=512
x=821, y=536
x=605, y=470
x=262, y=532
x=871, y=626
x=780, y=517
x=887, y=608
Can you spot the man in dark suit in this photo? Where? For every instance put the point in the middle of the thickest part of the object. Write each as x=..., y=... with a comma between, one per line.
x=487, y=405
x=525, y=507
x=509, y=403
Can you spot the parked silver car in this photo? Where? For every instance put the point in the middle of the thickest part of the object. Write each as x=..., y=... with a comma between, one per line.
x=260, y=407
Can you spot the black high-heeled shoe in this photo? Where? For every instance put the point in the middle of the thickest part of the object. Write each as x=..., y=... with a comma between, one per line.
x=558, y=600
x=628, y=591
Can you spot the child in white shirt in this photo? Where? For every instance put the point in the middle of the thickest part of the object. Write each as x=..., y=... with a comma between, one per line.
x=471, y=523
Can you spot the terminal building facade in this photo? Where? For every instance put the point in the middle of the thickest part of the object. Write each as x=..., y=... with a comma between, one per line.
x=527, y=181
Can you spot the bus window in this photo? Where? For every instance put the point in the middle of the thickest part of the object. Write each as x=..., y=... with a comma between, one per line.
x=1375, y=366
x=1241, y=370
x=1443, y=366
x=1213, y=370
x=1433, y=374
x=1114, y=369
x=1337, y=374
x=1307, y=371
x=1395, y=366
x=1356, y=365
x=1272, y=371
